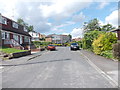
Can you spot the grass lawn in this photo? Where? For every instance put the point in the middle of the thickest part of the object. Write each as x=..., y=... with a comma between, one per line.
x=11, y=50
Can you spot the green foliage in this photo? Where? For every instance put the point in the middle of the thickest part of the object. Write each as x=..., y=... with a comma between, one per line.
x=116, y=50
x=28, y=27
x=107, y=27
x=89, y=37
x=92, y=25
x=107, y=54
x=104, y=42
x=58, y=44
x=11, y=50
x=39, y=43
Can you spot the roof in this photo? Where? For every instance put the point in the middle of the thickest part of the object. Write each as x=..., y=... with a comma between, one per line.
x=17, y=31
x=115, y=30
x=9, y=28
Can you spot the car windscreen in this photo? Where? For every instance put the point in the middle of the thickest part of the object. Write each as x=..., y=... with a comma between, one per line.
x=74, y=44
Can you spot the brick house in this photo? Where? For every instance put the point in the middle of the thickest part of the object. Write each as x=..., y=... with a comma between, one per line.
x=58, y=39
x=13, y=34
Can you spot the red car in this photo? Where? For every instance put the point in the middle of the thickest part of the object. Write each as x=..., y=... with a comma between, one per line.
x=51, y=47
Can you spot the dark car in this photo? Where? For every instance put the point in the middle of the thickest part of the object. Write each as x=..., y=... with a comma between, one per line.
x=74, y=46
x=51, y=47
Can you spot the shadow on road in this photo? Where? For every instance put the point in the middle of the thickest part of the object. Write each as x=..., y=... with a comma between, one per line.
x=38, y=62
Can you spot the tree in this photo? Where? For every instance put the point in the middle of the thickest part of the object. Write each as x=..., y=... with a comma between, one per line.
x=107, y=27
x=21, y=21
x=89, y=37
x=92, y=25
x=28, y=27
x=70, y=36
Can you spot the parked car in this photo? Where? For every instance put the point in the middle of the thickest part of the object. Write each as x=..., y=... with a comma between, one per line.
x=74, y=46
x=51, y=47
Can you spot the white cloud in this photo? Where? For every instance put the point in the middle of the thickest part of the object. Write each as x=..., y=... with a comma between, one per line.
x=77, y=32
x=79, y=18
x=112, y=18
x=38, y=13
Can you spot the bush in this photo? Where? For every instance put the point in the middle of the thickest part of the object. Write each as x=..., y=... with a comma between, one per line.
x=107, y=54
x=116, y=50
x=104, y=43
x=89, y=38
x=39, y=43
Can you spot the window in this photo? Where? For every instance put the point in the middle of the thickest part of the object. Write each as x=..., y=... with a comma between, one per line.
x=6, y=35
x=15, y=37
x=26, y=39
x=3, y=20
x=3, y=35
x=15, y=25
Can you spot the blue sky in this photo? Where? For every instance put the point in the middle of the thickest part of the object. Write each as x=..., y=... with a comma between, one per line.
x=60, y=17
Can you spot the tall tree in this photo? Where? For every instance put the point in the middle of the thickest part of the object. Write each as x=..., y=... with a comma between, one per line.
x=28, y=27
x=92, y=25
x=70, y=36
x=107, y=27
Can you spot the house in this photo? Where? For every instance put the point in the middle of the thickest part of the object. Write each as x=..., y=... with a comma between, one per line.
x=58, y=39
x=48, y=38
x=117, y=31
x=13, y=34
x=35, y=36
x=65, y=38
x=42, y=37
x=77, y=39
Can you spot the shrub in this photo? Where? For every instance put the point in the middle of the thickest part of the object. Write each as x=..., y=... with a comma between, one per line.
x=89, y=38
x=107, y=54
x=104, y=42
x=116, y=50
x=39, y=43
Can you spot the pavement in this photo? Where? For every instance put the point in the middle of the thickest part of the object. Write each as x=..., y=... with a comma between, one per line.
x=60, y=69
x=109, y=66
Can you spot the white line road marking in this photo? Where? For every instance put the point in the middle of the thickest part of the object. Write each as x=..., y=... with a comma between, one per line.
x=112, y=81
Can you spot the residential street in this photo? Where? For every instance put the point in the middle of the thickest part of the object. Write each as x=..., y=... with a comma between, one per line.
x=59, y=69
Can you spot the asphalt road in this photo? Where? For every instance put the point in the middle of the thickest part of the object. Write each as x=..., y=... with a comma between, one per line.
x=56, y=69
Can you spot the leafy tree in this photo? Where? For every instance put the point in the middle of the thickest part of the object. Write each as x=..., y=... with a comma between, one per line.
x=107, y=27
x=92, y=25
x=70, y=37
x=21, y=21
x=104, y=42
x=28, y=27
x=89, y=37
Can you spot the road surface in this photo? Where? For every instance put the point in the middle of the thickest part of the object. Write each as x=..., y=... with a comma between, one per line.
x=55, y=69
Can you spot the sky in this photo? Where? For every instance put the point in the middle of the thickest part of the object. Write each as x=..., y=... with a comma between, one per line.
x=60, y=16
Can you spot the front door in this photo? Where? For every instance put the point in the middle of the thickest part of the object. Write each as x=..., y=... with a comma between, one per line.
x=21, y=40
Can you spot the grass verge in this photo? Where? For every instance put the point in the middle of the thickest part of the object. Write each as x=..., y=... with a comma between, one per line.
x=11, y=50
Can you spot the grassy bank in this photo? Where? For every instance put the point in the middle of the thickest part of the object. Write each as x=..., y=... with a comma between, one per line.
x=10, y=50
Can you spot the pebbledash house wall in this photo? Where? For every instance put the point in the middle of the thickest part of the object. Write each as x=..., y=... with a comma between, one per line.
x=19, y=32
